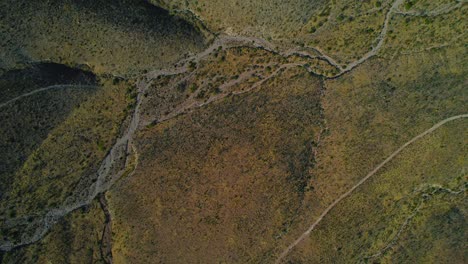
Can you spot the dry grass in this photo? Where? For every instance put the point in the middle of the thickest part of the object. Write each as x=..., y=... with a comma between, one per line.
x=267, y=19
x=411, y=34
x=67, y=159
x=404, y=191
x=240, y=178
x=28, y=121
x=370, y=113
x=121, y=37
x=75, y=239
x=230, y=187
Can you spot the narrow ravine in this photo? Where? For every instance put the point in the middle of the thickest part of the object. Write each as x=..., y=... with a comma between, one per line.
x=106, y=238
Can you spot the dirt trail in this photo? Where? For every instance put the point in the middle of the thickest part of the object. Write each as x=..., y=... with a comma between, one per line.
x=363, y=180
x=58, y=86
x=111, y=169
x=115, y=163
x=380, y=41
x=106, y=239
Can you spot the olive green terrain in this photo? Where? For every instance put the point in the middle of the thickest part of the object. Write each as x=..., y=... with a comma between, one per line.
x=233, y=182
x=122, y=37
x=67, y=158
x=233, y=131
x=411, y=212
x=37, y=75
x=27, y=122
x=267, y=19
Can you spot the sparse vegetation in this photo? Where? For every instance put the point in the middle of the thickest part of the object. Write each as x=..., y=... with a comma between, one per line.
x=385, y=219
x=276, y=19
x=123, y=36
x=67, y=158
x=27, y=122
x=219, y=131
x=246, y=160
x=75, y=239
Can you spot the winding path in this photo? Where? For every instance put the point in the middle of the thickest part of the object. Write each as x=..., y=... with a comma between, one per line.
x=58, y=86
x=114, y=164
x=380, y=40
x=363, y=180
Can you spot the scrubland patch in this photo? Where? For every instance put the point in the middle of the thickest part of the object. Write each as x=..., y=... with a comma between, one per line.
x=64, y=165
x=27, y=121
x=381, y=105
x=232, y=185
x=238, y=151
x=416, y=34
x=347, y=30
x=267, y=19
x=75, y=239
x=370, y=113
x=121, y=37
x=417, y=198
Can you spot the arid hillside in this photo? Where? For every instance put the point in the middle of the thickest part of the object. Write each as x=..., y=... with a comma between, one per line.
x=323, y=131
